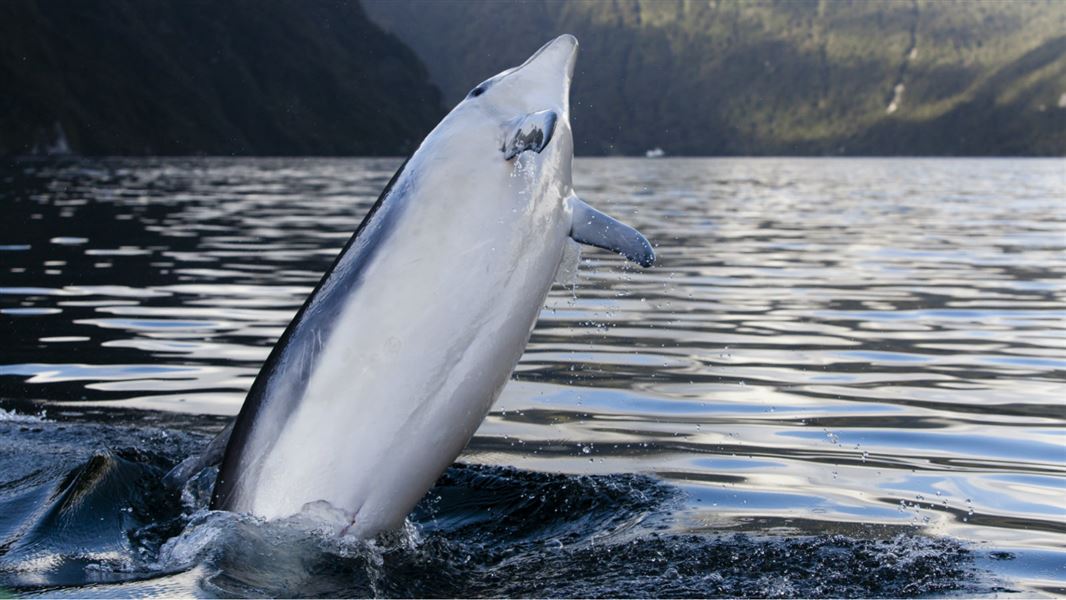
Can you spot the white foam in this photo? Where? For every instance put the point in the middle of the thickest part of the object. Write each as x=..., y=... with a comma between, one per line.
x=10, y=416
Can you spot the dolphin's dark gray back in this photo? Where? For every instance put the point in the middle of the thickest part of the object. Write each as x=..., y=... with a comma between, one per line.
x=280, y=384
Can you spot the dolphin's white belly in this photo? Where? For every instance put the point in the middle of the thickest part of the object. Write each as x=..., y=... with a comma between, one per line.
x=394, y=360
x=421, y=349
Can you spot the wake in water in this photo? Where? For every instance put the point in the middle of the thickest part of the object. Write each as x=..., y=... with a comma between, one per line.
x=83, y=512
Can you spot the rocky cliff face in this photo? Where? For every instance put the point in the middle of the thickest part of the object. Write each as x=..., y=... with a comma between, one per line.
x=259, y=77
x=889, y=77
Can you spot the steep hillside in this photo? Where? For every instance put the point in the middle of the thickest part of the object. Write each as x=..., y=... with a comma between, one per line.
x=207, y=77
x=773, y=77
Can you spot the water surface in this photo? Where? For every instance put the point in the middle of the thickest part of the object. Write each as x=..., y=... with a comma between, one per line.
x=844, y=377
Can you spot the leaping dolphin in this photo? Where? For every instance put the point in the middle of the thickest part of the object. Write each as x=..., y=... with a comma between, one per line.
x=394, y=360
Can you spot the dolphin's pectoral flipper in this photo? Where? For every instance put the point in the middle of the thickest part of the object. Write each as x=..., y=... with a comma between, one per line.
x=531, y=132
x=190, y=467
x=590, y=226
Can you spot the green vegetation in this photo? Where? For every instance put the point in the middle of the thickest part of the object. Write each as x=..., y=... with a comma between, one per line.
x=207, y=77
x=711, y=77
x=926, y=77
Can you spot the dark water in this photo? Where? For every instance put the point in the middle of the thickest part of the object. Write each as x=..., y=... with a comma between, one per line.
x=845, y=378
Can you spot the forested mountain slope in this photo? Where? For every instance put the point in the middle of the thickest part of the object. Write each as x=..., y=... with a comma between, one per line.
x=207, y=77
x=773, y=77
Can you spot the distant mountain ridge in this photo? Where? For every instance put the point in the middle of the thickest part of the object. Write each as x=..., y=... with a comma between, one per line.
x=269, y=77
x=717, y=77
x=693, y=77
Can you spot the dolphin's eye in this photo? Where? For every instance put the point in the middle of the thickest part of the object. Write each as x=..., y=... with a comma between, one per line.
x=477, y=91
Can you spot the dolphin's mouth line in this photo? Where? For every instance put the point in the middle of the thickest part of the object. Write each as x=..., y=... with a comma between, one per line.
x=531, y=59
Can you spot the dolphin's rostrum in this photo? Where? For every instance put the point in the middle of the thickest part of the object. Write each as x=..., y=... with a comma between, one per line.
x=390, y=366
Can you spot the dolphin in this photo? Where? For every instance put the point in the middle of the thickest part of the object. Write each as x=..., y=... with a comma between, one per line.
x=385, y=373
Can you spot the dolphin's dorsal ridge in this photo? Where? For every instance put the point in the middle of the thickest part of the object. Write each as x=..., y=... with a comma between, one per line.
x=591, y=227
x=530, y=132
x=210, y=456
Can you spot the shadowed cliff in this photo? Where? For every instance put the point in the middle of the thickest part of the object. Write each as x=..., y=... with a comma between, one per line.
x=275, y=77
x=283, y=77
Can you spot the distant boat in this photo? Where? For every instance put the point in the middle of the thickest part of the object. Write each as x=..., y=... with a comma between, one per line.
x=655, y=152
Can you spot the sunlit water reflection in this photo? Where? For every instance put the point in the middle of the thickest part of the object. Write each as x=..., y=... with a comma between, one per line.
x=826, y=346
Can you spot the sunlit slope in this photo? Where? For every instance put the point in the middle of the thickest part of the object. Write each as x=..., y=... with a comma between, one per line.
x=198, y=77
x=785, y=77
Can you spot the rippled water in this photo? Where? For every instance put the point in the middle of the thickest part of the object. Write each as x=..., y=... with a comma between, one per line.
x=844, y=377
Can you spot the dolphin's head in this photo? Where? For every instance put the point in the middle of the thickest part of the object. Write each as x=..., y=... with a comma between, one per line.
x=542, y=82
